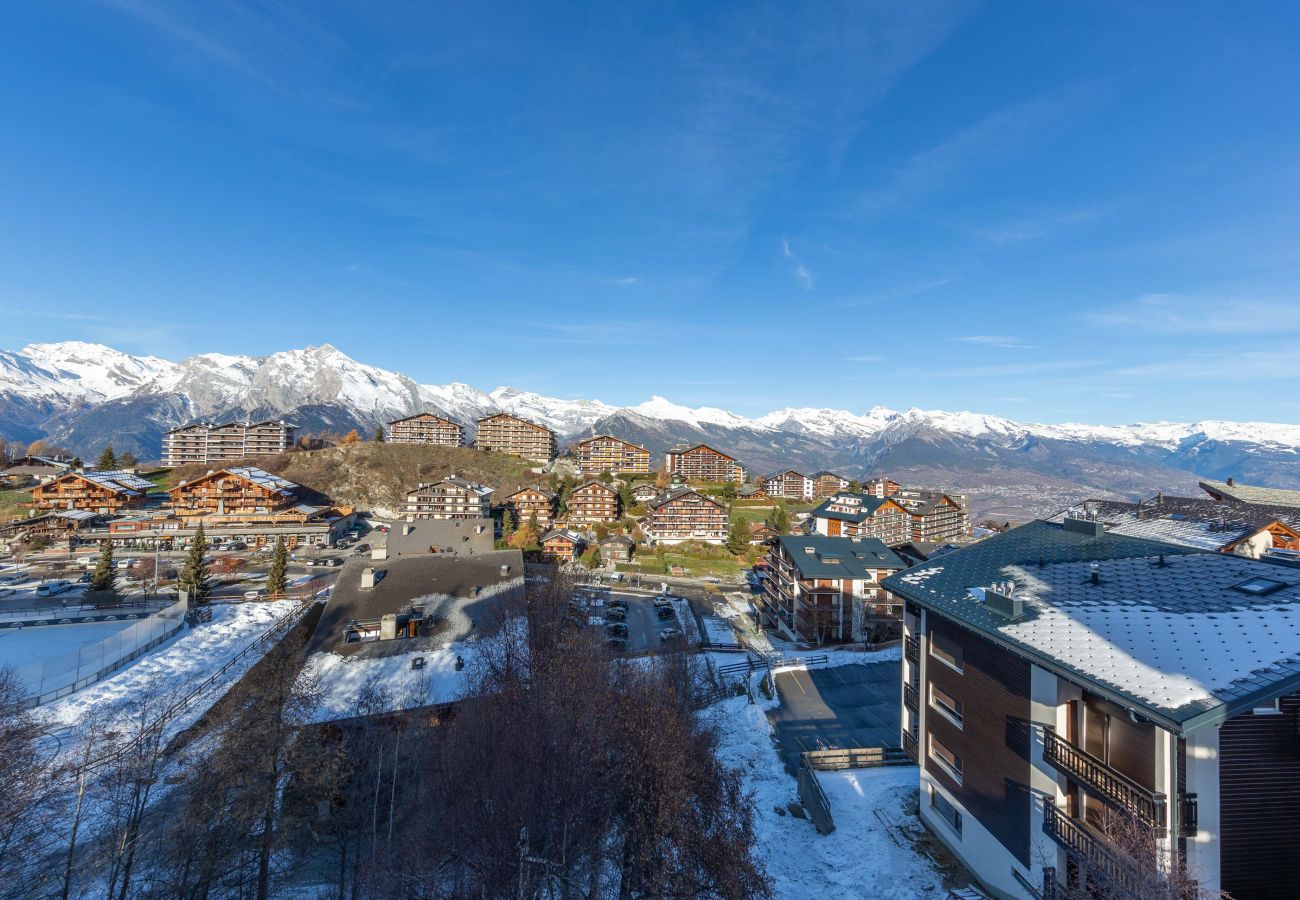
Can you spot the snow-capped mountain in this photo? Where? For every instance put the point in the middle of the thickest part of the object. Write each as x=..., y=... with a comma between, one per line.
x=82, y=396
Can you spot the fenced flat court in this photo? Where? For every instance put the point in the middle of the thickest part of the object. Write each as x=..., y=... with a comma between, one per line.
x=29, y=649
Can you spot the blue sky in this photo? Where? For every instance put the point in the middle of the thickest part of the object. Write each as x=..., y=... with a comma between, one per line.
x=1048, y=211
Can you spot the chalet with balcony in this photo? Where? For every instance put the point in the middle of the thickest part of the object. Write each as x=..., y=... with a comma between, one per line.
x=59, y=527
x=881, y=487
x=243, y=494
x=606, y=453
x=561, y=545
x=448, y=498
x=29, y=470
x=862, y=515
x=935, y=516
x=1246, y=529
x=788, y=485
x=593, y=502
x=426, y=428
x=821, y=590
x=703, y=463
x=504, y=433
x=102, y=493
x=532, y=503
x=616, y=548
x=685, y=515
x=828, y=484
x=645, y=492
x=1088, y=708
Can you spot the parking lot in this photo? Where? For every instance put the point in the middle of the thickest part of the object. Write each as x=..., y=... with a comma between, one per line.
x=835, y=708
x=642, y=620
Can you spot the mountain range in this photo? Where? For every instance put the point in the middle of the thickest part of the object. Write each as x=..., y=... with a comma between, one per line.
x=82, y=396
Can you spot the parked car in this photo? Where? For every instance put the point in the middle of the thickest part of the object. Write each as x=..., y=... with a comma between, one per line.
x=667, y=634
x=49, y=588
x=617, y=642
x=616, y=628
x=238, y=545
x=13, y=578
x=332, y=561
x=5, y=592
x=665, y=612
x=618, y=603
x=663, y=603
x=254, y=594
x=363, y=548
x=85, y=577
x=616, y=612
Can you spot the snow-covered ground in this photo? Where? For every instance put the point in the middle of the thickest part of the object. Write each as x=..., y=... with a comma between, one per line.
x=28, y=649
x=182, y=662
x=864, y=856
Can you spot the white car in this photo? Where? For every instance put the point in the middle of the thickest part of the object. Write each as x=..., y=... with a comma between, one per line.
x=5, y=592
x=254, y=595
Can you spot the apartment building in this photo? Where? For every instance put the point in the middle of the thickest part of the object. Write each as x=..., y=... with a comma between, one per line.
x=863, y=516
x=645, y=492
x=825, y=590
x=29, y=470
x=426, y=428
x=606, y=453
x=207, y=443
x=102, y=493
x=828, y=484
x=239, y=494
x=1087, y=706
x=881, y=487
x=787, y=485
x=448, y=498
x=1246, y=529
x=685, y=515
x=561, y=545
x=504, y=433
x=703, y=463
x=532, y=503
x=593, y=502
x=59, y=527
x=936, y=516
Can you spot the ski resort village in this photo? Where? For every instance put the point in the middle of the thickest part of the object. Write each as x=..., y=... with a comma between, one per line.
x=553, y=649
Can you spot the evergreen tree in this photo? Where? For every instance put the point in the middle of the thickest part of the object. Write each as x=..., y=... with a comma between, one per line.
x=127, y=461
x=625, y=496
x=77, y=463
x=102, y=578
x=277, y=577
x=194, y=576
x=729, y=491
x=738, y=537
x=566, y=493
x=855, y=486
x=607, y=476
x=507, y=524
x=107, y=460
x=779, y=519
x=379, y=434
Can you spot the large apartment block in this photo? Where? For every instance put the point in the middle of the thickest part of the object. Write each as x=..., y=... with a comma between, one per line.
x=504, y=433
x=1088, y=707
x=863, y=516
x=207, y=443
x=448, y=498
x=606, y=453
x=685, y=515
x=702, y=463
x=592, y=503
x=426, y=428
x=823, y=589
x=936, y=516
x=788, y=485
x=530, y=503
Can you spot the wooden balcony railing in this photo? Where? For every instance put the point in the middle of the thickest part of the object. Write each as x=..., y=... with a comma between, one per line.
x=1116, y=875
x=909, y=745
x=910, y=698
x=1106, y=783
x=1188, y=823
x=912, y=648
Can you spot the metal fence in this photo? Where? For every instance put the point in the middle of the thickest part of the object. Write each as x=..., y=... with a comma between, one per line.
x=69, y=672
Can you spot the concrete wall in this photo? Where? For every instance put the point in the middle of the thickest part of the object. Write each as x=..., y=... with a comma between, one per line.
x=1203, y=781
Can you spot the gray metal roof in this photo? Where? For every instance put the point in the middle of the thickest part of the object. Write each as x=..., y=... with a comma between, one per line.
x=1245, y=493
x=835, y=508
x=1165, y=630
x=818, y=556
x=1192, y=521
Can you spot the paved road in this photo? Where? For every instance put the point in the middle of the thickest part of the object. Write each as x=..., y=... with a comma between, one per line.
x=845, y=706
x=643, y=623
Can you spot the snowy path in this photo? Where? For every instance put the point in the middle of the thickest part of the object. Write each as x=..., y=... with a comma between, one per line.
x=181, y=663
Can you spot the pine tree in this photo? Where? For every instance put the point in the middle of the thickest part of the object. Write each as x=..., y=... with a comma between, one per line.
x=102, y=578
x=780, y=519
x=855, y=486
x=507, y=524
x=77, y=464
x=127, y=460
x=194, y=576
x=738, y=537
x=379, y=434
x=625, y=498
x=107, y=460
x=277, y=581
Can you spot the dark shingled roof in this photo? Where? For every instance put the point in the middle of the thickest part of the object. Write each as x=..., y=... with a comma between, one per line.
x=869, y=505
x=1245, y=493
x=819, y=556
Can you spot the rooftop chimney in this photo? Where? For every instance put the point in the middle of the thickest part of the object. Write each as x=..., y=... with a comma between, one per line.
x=1000, y=598
x=1232, y=482
x=1096, y=573
x=367, y=578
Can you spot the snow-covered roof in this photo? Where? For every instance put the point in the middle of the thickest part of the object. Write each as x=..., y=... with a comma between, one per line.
x=263, y=478
x=1246, y=493
x=1197, y=522
x=1167, y=630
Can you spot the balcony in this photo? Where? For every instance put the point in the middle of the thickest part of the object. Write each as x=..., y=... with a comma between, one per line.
x=910, y=698
x=912, y=648
x=909, y=745
x=1188, y=819
x=1114, y=873
x=1102, y=781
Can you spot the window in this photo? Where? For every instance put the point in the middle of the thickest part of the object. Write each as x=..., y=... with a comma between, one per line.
x=946, y=650
x=947, y=705
x=949, y=813
x=948, y=761
x=1260, y=586
x=1273, y=708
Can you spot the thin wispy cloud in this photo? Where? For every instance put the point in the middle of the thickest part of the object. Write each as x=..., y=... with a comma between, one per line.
x=911, y=289
x=42, y=314
x=1040, y=227
x=1211, y=316
x=994, y=340
x=798, y=269
x=623, y=280
x=864, y=359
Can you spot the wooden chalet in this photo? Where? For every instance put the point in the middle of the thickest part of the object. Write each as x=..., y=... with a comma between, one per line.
x=504, y=433
x=29, y=470
x=685, y=515
x=863, y=516
x=788, y=485
x=532, y=503
x=448, y=498
x=243, y=495
x=593, y=502
x=561, y=545
x=827, y=484
x=426, y=428
x=104, y=493
x=645, y=492
x=617, y=548
x=881, y=487
x=703, y=463
x=57, y=527
x=606, y=453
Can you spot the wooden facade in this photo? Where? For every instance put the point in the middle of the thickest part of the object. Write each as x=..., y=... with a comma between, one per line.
x=606, y=453
x=828, y=484
x=935, y=516
x=685, y=515
x=426, y=428
x=592, y=503
x=881, y=487
x=863, y=516
x=703, y=463
x=504, y=433
x=562, y=546
x=104, y=493
x=239, y=494
x=448, y=498
x=532, y=503
x=788, y=485
x=207, y=443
